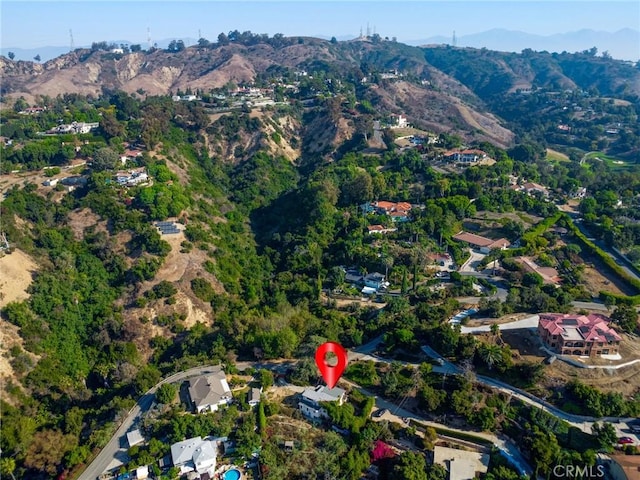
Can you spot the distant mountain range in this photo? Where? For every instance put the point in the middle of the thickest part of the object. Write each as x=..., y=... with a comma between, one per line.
x=50, y=52
x=623, y=44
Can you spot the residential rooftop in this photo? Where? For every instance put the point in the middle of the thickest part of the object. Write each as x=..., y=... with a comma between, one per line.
x=592, y=327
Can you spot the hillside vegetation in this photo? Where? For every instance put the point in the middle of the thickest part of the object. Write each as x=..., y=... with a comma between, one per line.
x=266, y=174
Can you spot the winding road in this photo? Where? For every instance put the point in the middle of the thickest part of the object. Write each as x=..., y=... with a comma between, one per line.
x=116, y=449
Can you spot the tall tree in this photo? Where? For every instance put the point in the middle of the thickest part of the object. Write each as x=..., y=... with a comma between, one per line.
x=105, y=159
x=411, y=466
x=626, y=316
x=605, y=434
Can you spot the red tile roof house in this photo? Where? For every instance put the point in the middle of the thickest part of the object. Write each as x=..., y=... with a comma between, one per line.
x=585, y=335
x=399, y=212
x=484, y=244
x=549, y=274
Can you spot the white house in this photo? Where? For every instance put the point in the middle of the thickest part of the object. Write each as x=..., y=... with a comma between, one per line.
x=374, y=280
x=142, y=473
x=209, y=392
x=310, y=399
x=51, y=182
x=134, y=437
x=399, y=122
x=465, y=156
x=194, y=454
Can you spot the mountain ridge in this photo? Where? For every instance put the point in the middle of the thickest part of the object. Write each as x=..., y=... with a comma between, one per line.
x=623, y=44
x=440, y=88
x=619, y=44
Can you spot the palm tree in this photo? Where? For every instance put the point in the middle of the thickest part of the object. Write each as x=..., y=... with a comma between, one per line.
x=495, y=331
x=491, y=355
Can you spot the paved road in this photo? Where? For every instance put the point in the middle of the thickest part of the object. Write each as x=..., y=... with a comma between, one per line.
x=116, y=447
x=472, y=262
x=622, y=262
x=397, y=414
x=582, y=422
x=377, y=133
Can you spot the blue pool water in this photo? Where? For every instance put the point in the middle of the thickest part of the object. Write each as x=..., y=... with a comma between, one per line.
x=232, y=475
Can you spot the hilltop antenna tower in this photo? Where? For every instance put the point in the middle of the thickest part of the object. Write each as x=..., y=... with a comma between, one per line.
x=72, y=46
x=149, y=37
x=199, y=34
x=368, y=30
x=454, y=40
x=360, y=31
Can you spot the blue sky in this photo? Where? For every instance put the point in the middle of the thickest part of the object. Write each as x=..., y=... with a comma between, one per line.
x=29, y=24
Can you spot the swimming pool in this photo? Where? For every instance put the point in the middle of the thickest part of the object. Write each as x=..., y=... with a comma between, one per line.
x=232, y=474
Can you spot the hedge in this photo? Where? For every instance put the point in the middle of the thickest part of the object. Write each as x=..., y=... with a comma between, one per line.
x=469, y=437
x=529, y=237
x=610, y=263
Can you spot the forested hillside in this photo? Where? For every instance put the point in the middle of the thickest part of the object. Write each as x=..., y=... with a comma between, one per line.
x=267, y=181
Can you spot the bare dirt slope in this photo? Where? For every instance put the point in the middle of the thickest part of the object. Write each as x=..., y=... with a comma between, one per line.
x=16, y=270
x=442, y=104
x=180, y=267
x=438, y=109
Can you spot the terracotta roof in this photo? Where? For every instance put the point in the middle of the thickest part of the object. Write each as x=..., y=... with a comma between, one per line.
x=479, y=241
x=380, y=229
x=594, y=326
x=399, y=213
x=473, y=239
x=630, y=464
x=132, y=153
x=384, y=204
x=392, y=206
x=548, y=274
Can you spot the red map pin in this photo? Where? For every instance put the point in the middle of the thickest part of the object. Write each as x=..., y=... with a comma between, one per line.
x=331, y=373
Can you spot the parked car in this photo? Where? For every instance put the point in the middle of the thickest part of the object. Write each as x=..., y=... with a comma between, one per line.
x=380, y=412
x=625, y=440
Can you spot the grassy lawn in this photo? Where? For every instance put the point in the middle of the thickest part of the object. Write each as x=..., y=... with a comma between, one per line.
x=555, y=156
x=613, y=162
x=403, y=132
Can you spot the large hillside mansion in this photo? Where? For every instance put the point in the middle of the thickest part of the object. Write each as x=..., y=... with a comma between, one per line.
x=585, y=335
